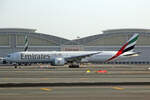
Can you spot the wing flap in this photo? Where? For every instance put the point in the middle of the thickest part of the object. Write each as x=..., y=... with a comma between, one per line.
x=78, y=58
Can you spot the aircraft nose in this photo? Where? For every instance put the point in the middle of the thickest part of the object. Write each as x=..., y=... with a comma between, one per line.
x=6, y=58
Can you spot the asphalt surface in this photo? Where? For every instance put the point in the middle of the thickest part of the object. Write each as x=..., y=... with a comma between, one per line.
x=61, y=74
x=88, y=82
x=77, y=93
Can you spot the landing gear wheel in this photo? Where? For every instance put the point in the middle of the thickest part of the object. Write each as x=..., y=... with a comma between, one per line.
x=74, y=66
x=15, y=66
x=4, y=62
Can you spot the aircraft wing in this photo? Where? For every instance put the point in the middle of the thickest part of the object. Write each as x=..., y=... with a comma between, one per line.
x=79, y=57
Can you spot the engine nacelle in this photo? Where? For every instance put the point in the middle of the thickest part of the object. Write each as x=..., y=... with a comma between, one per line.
x=59, y=62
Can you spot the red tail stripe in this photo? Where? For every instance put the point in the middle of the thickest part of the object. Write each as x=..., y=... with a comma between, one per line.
x=118, y=53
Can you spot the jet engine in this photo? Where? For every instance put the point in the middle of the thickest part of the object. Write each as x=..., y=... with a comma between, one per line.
x=59, y=62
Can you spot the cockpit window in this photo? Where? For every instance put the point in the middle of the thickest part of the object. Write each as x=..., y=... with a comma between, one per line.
x=8, y=55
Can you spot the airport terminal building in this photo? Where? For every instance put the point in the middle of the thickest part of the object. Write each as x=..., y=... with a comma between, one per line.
x=12, y=40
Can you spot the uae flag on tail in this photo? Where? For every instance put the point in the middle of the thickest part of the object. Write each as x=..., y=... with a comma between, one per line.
x=128, y=46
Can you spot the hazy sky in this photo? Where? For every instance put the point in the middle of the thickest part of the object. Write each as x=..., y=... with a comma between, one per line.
x=72, y=18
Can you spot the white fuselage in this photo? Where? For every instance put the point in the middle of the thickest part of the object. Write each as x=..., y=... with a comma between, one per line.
x=48, y=57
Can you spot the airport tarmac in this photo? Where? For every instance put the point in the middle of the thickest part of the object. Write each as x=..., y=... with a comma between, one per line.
x=77, y=93
x=61, y=74
x=87, y=83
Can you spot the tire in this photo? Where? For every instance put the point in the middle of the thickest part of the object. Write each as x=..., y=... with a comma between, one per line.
x=15, y=66
x=74, y=66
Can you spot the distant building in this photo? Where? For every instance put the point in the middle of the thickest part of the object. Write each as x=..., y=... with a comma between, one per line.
x=12, y=40
x=114, y=39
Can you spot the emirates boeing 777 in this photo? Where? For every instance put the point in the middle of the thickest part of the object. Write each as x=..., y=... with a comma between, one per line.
x=73, y=58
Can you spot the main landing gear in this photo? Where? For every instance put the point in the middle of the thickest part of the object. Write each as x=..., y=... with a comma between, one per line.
x=15, y=65
x=74, y=65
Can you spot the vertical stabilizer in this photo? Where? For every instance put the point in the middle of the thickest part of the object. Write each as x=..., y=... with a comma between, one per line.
x=26, y=43
x=128, y=46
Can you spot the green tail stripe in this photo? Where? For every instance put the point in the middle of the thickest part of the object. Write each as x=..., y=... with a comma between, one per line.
x=26, y=40
x=26, y=43
x=133, y=40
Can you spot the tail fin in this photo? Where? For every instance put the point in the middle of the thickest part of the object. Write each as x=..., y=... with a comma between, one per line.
x=26, y=43
x=128, y=46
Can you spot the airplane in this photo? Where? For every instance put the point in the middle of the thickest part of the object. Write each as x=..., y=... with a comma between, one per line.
x=73, y=58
